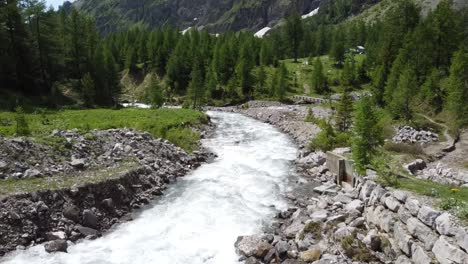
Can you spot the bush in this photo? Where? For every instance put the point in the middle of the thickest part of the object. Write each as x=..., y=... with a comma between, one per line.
x=404, y=148
x=385, y=175
x=449, y=203
x=328, y=139
x=22, y=127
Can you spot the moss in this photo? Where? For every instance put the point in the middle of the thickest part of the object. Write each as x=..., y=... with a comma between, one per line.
x=356, y=250
x=314, y=228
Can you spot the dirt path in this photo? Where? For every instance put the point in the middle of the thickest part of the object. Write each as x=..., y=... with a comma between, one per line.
x=438, y=148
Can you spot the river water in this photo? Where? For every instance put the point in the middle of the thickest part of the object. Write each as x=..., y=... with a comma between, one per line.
x=199, y=218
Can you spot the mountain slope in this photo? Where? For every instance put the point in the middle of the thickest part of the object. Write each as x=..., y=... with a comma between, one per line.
x=214, y=15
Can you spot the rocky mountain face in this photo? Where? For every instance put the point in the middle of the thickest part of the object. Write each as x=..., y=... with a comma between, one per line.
x=214, y=15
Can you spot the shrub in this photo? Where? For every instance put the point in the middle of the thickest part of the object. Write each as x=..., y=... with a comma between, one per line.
x=449, y=203
x=385, y=175
x=22, y=127
x=404, y=148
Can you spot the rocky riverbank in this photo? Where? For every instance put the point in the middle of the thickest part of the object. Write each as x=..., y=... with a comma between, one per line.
x=288, y=118
x=68, y=199
x=364, y=224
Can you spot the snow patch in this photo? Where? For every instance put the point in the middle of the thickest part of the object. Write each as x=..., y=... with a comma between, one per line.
x=311, y=14
x=261, y=33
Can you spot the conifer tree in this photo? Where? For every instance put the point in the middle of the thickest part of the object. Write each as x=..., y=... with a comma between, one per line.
x=344, y=112
x=196, y=87
x=261, y=79
x=431, y=91
x=348, y=75
x=88, y=90
x=458, y=88
x=295, y=33
x=155, y=92
x=367, y=134
x=401, y=102
x=319, y=81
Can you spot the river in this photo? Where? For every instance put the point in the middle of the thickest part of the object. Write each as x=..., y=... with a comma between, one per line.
x=199, y=218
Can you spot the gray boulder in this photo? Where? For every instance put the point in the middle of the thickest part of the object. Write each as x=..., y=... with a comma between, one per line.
x=56, y=246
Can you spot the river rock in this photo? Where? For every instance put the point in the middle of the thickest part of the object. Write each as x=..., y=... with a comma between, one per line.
x=72, y=212
x=90, y=219
x=247, y=245
x=56, y=246
x=310, y=255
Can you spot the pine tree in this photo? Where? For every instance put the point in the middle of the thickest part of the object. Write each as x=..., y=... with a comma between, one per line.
x=319, y=81
x=344, y=112
x=261, y=79
x=337, y=51
x=88, y=90
x=431, y=91
x=295, y=33
x=196, y=87
x=155, y=92
x=458, y=88
x=401, y=102
x=282, y=85
x=348, y=75
x=22, y=126
x=244, y=71
x=367, y=134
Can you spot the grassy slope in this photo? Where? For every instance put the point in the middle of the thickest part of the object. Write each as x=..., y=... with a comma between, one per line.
x=171, y=124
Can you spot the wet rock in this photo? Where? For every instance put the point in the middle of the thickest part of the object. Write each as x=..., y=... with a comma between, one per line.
x=56, y=246
x=247, y=245
x=59, y=235
x=90, y=219
x=86, y=231
x=262, y=249
x=282, y=248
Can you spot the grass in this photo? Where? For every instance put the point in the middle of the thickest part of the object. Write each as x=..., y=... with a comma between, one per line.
x=12, y=186
x=303, y=73
x=171, y=124
x=449, y=198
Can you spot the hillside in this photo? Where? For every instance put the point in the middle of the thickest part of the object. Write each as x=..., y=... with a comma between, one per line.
x=214, y=15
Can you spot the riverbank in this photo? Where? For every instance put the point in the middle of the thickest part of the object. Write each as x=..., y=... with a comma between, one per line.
x=364, y=224
x=77, y=184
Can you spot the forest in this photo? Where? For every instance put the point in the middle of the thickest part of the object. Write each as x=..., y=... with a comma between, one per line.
x=412, y=62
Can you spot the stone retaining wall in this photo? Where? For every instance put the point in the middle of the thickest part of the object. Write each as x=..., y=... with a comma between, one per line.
x=423, y=234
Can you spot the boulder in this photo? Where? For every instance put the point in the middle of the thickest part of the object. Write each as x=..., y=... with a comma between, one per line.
x=412, y=205
x=446, y=253
x=427, y=215
x=400, y=195
x=56, y=246
x=357, y=205
x=444, y=225
x=403, y=239
x=462, y=239
x=90, y=219
x=262, y=249
x=319, y=216
x=32, y=173
x=282, y=247
x=86, y=231
x=416, y=166
x=310, y=255
x=358, y=222
x=372, y=239
x=247, y=245
x=78, y=163
x=293, y=229
x=425, y=234
x=392, y=203
x=72, y=212
x=419, y=255
x=59, y=235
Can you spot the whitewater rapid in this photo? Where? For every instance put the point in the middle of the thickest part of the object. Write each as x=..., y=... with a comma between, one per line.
x=199, y=218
